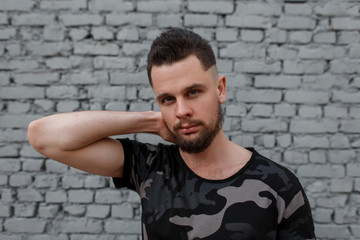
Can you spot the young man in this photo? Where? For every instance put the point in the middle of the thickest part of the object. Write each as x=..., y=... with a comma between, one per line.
x=204, y=186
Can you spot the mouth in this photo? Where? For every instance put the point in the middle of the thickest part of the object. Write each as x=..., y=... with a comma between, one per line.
x=187, y=129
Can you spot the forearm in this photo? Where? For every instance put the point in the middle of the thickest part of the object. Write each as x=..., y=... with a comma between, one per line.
x=71, y=131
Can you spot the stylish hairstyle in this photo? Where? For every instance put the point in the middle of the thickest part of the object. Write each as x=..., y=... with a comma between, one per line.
x=176, y=44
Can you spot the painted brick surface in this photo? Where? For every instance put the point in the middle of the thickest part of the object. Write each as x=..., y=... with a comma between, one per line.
x=292, y=71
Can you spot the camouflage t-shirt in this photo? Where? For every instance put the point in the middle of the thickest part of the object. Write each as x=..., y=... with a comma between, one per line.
x=262, y=201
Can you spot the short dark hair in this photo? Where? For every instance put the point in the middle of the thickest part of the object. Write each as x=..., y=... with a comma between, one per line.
x=176, y=44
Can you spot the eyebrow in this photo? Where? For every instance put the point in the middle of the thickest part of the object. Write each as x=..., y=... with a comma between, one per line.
x=195, y=85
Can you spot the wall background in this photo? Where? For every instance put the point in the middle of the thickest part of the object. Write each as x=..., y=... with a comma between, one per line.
x=293, y=93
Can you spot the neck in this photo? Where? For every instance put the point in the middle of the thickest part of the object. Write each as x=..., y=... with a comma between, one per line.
x=220, y=160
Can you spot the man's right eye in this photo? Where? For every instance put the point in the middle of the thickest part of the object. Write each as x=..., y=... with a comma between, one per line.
x=166, y=100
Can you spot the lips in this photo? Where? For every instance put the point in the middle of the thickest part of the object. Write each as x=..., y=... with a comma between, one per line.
x=188, y=129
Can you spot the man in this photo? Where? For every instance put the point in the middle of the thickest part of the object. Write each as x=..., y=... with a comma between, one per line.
x=204, y=186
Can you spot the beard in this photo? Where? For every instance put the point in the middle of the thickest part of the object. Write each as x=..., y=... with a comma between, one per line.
x=206, y=134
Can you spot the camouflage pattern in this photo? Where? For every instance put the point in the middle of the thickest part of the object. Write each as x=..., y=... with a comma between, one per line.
x=262, y=201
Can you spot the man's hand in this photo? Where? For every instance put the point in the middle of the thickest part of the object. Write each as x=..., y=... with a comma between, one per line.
x=164, y=131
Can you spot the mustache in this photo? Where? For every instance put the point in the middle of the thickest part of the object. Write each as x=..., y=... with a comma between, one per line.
x=187, y=122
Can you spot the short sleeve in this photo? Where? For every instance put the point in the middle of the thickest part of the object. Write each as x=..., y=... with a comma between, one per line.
x=136, y=163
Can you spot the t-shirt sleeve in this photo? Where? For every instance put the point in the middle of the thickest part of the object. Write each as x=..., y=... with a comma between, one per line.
x=297, y=221
x=137, y=158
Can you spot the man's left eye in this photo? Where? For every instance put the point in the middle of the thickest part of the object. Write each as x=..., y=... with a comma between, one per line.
x=193, y=92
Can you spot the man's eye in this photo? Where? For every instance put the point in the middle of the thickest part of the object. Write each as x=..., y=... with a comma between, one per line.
x=167, y=99
x=193, y=92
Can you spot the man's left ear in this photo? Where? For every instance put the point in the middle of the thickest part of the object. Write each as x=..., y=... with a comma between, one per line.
x=221, y=88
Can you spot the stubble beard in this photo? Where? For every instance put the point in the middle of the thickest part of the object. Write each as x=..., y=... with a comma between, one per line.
x=206, y=135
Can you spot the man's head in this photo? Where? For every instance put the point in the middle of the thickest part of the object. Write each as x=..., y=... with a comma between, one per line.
x=176, y=44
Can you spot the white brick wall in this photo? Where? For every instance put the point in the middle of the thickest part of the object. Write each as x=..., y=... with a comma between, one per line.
x=293, y=93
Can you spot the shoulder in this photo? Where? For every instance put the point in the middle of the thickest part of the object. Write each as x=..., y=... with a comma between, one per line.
x=280, y=178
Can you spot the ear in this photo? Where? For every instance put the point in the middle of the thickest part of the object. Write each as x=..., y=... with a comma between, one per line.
x=221, y=88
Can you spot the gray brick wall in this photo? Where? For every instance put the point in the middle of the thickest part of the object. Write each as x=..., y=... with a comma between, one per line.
x=292, y=69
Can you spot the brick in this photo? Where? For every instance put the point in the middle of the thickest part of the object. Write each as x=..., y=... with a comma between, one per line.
x=84, y=19
x=276, y=36
x=82, y=225
x=310, y=112
x=332, y=8
x=140, y=106
x=118, y=78
x=20, y=65
x=323, y=215
x=128, y=34
x=67, y=106
x=236, y=110
x=20, y=225
x=295, y=157
x=83, y=77
x=101, y=33
x=311, y=141
x=346, y=97
x=249, y=21
x=41, y=78
x=282, y=52
x=332, y=231
x=111, y=5
x=301, y=96
x=78, y=34
x=55, y=167
x=335, y=112
x=323, y=82
x=242, y=50
x=32, y=19
x=71, y=181
x=3, y=19
x=258, y=96
x=298, y=9
x=339, y=141
x=123, y=226
x=75, y=210
x=137, y=19
x=300, y=37
x=296, y=22
x=253, y=66
x=49, y=49
x=325, y=37
x=30, y=195
x=108, y=196
x=5, y=211
x=7, y=33
x=344, y=66
x=277, y=81
x=16, y=5
x=3, y=181
x=329, y=171
x=284, y=110
x=350, y=126
x=304, y=67
x=115, y=106
x=226, y=34
x=95, y=182
x=252, y=35
x=97, y=49
x=211, y=7
x=256, y=8
x=16, y=121
x=32, y=165
x=355, y=51
x=341, y=185
x=23, y=210
x=13, y=135
x=8, y=151
x=112, y=92
x=98, y=211
x=58, y=196
x=261, y=110
x=267, y=141
x=159, y=6
x=334, y=201
x=284, y=140
x=113, y=63
x=264, y=125
x=22, y=92
x=46, y=181
x=345, y=23
x=135, y=49
x=122, y=211
x=169, y=20
x=193, y=20
x=17, y=108
x=353, y=170
x=348, y=37
x=313, y=126
x=9, y=165
x=62, y=92
x=49, y=212
x=20, y=180
x=323, y=52
x=63, y=5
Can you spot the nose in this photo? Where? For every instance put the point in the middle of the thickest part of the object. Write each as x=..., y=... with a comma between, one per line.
x=183, y=109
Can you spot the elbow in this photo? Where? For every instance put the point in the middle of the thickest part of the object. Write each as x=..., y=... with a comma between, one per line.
x=35, y=136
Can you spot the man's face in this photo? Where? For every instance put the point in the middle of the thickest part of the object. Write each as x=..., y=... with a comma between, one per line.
x=189, y=99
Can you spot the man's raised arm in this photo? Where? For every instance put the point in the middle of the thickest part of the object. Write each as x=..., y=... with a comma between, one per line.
x=81, y=139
